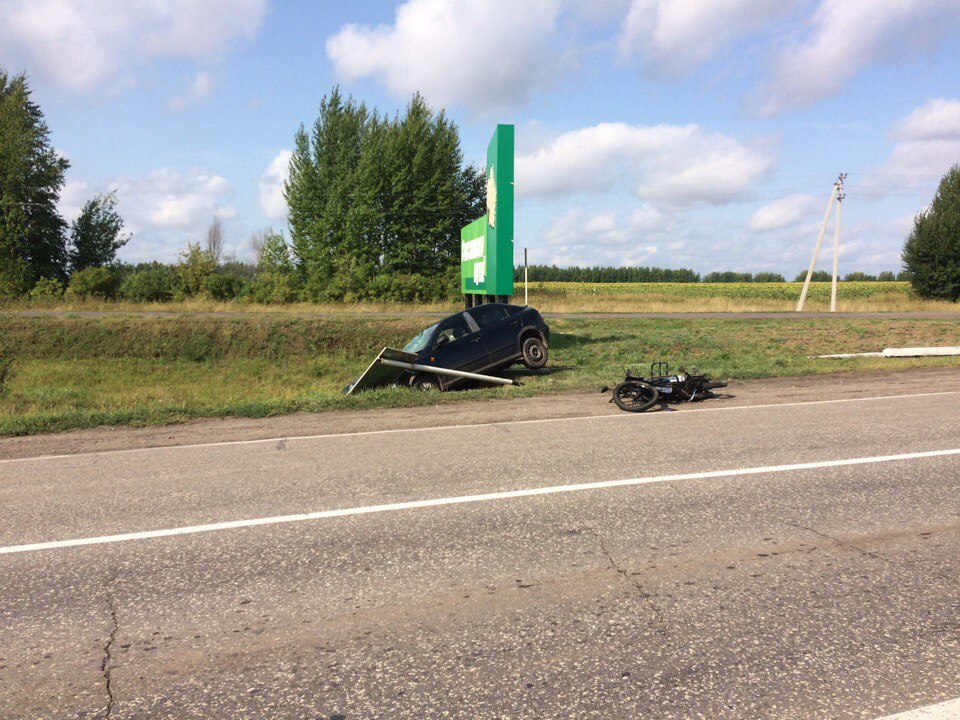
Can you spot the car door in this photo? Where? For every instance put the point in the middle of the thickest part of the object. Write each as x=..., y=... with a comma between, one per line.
x=463, y=349
x=499, y=330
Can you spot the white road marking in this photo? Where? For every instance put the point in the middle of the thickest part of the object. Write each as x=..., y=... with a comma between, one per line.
x=949, y=710
x=463, y=499
x=362, y=433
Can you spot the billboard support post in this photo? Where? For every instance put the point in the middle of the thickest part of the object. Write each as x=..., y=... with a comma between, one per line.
x=486, y=244
x=526, y=299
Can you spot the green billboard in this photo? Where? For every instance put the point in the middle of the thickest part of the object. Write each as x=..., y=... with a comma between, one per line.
x=486, y=244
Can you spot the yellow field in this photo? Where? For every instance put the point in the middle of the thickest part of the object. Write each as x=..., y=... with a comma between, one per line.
x=575, y=297
x=726, y=297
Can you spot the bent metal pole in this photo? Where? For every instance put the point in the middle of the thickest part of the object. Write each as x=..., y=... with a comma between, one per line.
x=447, y=371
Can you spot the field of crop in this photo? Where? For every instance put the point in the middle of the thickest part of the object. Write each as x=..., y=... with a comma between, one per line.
x=727, y=297
x=137, y=369
x=572, y=297
x=819, y=292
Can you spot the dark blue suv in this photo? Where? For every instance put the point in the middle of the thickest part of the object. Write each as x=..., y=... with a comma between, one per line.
x=483, y=339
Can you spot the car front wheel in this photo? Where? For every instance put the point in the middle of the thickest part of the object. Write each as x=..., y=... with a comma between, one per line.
x=426, y=382
x=534, y=353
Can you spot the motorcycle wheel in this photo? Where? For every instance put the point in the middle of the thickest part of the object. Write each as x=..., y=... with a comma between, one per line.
x=635, y=396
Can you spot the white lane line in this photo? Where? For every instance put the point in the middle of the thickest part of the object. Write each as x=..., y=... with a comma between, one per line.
x=949, y=710
x=463, y=499
x=362, y=433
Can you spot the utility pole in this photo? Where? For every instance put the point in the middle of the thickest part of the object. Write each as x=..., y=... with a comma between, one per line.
x=835, y=194
x=836, y=243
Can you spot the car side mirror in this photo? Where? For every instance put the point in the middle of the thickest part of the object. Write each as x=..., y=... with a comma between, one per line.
x=441, y=340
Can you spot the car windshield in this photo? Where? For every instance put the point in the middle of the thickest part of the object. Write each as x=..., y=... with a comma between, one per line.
x=419, y=343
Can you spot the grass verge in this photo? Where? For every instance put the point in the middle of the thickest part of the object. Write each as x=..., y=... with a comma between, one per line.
x=74, y=372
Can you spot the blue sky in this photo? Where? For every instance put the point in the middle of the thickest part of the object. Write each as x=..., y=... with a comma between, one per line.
x=666, y=132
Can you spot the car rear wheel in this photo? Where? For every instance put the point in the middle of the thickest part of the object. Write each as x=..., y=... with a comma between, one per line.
x=534, y=353
x=426, y=382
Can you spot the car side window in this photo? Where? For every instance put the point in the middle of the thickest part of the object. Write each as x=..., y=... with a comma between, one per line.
x=454, y=328
x=487, y=315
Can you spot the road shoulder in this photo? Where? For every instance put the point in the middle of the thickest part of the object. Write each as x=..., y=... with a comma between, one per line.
x=744, y=392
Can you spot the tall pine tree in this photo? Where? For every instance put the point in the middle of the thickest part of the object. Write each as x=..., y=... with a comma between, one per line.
x=322, y=180
x=32, y=233
x=369, y=194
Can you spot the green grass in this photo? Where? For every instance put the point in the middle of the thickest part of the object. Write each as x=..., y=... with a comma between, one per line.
x=73, y=372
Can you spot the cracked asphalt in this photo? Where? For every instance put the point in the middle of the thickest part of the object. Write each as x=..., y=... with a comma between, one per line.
x=829, y=592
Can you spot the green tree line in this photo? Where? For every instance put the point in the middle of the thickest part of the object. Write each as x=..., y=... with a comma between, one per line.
x=375, y=202
x=609, y=274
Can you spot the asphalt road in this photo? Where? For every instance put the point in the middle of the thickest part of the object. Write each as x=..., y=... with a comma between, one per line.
x=790, y=561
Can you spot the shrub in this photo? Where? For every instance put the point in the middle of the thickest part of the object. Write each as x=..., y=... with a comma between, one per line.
x=274, y=254
x=727, y=277
x=818, y=276
x=194, y=270
x=226, y=286
x=47, y=289
x=886, y=276
x=101, y=283
x=153, y=285
x=769, y=277
x=397, y=287
x=345, y=279
x=247, y=271
x=931, y=253
x=859, y=277
x=273, y=288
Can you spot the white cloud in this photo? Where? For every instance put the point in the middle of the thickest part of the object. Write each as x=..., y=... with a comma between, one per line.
x=848, y=35
x=272, y=202
x=165, y=209
x=73, y=196
x=937, y=120
x=579, y=237
x=673, y=164
x=200, y=88
x=83, y=43
x=783, y=212
x=485, y=54
x=928, y=144
x=168, y=199
x=677, y=35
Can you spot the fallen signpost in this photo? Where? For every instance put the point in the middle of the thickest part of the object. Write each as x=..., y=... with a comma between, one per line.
x=447, y=371
x=391, y=364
